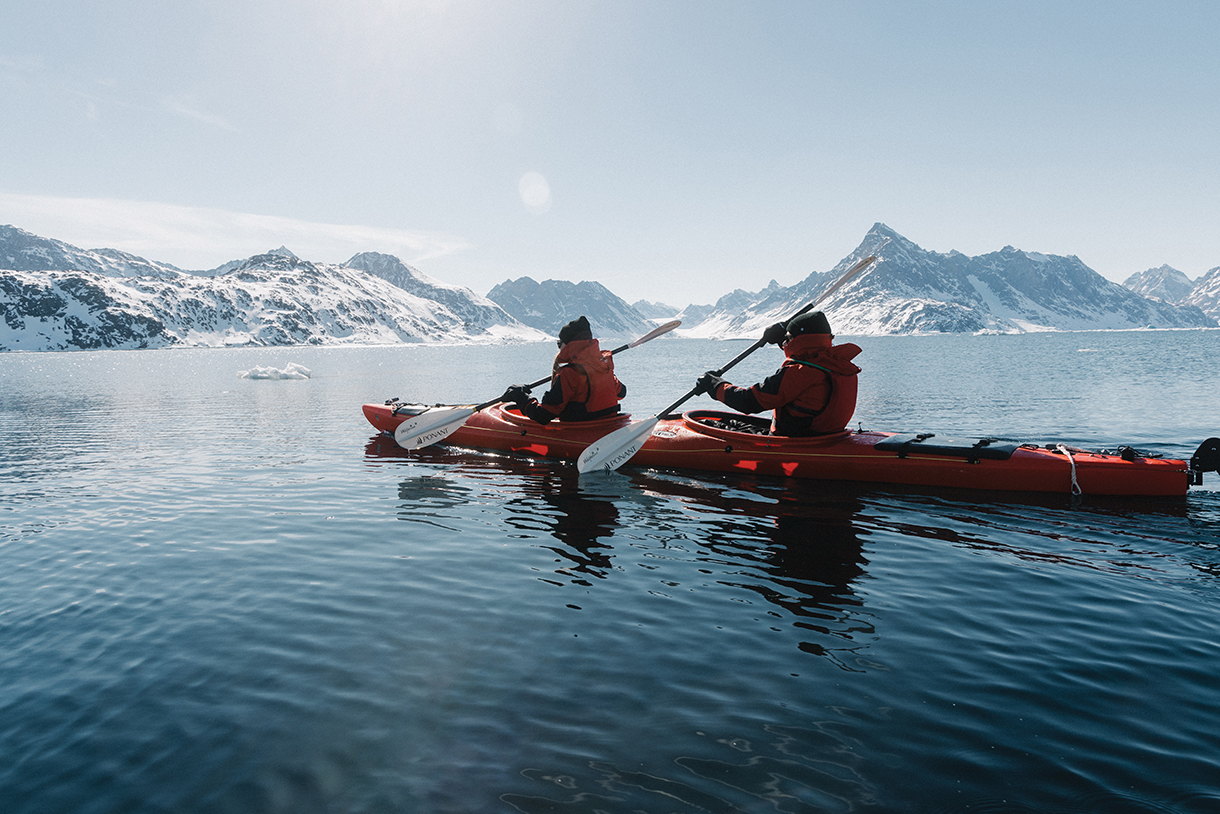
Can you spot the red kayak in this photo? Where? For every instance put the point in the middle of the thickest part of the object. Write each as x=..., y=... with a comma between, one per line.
x=730, y=442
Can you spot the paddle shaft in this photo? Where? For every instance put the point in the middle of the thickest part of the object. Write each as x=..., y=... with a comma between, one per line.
x=530, y=386
x=719, y=372
x=615, y=449
x=809, y=307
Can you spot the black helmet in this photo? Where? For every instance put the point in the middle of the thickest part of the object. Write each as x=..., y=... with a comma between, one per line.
x=576, y=329
x=813, y=322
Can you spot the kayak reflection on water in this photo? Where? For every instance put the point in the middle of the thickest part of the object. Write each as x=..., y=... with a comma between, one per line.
x=804, y=541
x=797, y=545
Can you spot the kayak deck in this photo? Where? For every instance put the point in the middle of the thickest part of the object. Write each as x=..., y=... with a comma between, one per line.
x=709, y=440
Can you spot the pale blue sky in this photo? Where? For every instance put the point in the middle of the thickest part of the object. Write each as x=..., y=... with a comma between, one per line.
x=673, y=150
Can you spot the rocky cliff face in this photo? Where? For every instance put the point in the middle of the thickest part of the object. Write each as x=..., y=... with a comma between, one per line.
x=75, y=310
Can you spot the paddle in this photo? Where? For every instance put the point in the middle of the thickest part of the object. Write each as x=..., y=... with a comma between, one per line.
x=615, y=449
x=439, y=423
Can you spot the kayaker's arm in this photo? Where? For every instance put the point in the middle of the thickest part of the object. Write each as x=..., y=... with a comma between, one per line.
x=519, y=397
x=537, y=412
x=764, y=396
x=741, y=399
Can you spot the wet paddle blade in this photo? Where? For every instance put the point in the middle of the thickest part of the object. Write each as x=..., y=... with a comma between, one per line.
x=655, y=332
x=612, y=451
x=431, y=426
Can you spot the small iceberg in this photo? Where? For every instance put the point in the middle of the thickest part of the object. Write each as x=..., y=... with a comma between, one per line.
x=293, y=371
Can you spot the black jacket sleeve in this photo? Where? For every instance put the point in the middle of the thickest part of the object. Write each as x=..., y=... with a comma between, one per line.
x=744, y=399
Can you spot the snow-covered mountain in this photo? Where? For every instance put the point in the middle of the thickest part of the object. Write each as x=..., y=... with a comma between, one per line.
x=476, y=311
x=722, y=319
x=1172, y=286
x=1205, y=294
x=1165, y=283
x=551, y=304
x=655, y=311
x=59, y=297
x=23, y=251
x=910, y=290
x=269, y=299
x=232, y=265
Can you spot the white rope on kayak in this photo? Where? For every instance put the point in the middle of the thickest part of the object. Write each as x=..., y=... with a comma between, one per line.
x=1072, y=461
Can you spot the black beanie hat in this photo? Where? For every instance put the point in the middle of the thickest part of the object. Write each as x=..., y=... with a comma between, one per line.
x=576, y=329
x=813, y=322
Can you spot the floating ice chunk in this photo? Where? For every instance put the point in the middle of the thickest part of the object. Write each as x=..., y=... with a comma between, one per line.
x=293, y=371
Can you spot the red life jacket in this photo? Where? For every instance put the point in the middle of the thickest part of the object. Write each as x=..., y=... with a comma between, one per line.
x=584, y=386
x=819, y=386
x=814, y=391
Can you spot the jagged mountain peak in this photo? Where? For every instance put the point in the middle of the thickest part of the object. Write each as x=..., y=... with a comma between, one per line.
x=275, y=298
x=655, y=310
x=912, y=290
x=883, y=230
x=377, y=260
x=1205, y=293
x=551, y=304
x=1165, y=283
x=407, y=277
x=24, y=251
x=274, y=260
x=61, y=297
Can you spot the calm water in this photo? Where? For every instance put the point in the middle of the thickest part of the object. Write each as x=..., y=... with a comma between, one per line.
x=227, y=595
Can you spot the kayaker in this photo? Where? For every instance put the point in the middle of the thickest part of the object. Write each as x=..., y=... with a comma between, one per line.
x=813, y=392
x=583, y=384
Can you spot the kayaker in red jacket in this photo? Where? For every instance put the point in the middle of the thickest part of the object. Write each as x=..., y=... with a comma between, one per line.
x=813, y=392
x=583, y=384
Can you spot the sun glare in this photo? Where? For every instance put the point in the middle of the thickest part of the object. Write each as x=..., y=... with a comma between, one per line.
x=535, y=192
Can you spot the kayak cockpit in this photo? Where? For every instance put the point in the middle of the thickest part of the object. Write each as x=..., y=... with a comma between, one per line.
x=754, y=429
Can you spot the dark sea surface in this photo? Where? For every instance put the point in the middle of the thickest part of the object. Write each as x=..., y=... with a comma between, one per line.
x=228, y=595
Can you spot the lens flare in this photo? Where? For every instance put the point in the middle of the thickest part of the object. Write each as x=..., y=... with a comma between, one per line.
x=535, y=192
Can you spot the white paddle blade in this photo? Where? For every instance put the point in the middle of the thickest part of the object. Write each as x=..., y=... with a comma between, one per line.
x=655, y=332
x=612, y=451
x=431, y=426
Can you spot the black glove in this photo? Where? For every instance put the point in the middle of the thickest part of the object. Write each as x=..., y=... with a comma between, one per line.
x=708, y=383
x=517, y=395
x=775, y=334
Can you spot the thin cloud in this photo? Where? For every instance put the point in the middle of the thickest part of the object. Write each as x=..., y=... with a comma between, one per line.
x=186, y=108
x=197, y=238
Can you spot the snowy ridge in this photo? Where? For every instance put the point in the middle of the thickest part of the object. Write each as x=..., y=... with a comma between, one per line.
x=21, y=250
x=551, y=304
x=270, y=299
x=1205, y=294
x=476, y=312
x=1165, y=283
x=1172, y=286
x=910, y=290
x=59, y=297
